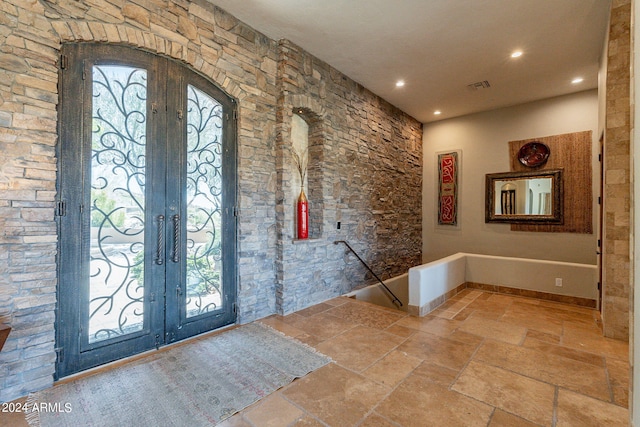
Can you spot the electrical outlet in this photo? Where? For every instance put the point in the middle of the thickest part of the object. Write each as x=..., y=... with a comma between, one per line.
x=558, y=281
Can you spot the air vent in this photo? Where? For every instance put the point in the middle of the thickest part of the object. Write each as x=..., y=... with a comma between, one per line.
x=479, y=85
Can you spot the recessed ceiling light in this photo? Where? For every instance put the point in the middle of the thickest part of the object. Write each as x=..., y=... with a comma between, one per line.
x=400, y=83
x=516, y=54
x=437, y=112
x=577, y=80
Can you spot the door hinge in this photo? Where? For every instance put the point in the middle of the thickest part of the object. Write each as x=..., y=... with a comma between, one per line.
x=158, y=341
x=599, y=286
x=235, y=211
x=599, y=200
x=152, y=297
x=178, y=290
x=64, y=62
x=235, y=308
x=599, y=243
x=61, y=208
x=154, y=108
x=599, y=157
x=59, y=354
x=179, y=114
x=234, y=115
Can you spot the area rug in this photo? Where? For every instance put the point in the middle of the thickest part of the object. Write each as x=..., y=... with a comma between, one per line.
x=196, y=384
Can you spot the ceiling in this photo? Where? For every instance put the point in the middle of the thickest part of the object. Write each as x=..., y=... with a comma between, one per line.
x=440, y=47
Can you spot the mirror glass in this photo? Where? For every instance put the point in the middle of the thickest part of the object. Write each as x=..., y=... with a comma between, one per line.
x=523, y=197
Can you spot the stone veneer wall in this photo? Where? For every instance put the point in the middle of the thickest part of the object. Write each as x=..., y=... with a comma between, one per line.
x=365, y=172
x=617, y=165
x=368, y=164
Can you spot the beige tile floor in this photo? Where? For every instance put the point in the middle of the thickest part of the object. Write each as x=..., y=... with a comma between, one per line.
x=481, y=359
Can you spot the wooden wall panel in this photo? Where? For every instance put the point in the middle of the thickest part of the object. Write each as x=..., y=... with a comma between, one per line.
x=570, y=152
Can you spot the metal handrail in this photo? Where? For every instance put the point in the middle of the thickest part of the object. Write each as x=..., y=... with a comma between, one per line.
x=395, y=298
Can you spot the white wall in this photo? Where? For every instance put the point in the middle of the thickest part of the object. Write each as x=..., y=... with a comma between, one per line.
x=483, y=139
x=578, y=280
x=430, y=281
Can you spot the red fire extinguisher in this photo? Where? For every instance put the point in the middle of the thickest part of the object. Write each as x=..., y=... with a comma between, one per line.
x=303, y=216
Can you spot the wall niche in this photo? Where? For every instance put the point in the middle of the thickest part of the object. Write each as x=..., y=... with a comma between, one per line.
x=307, y=146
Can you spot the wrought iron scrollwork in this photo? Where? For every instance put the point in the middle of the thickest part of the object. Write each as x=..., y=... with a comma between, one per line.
x=117, y=201
x=204, y=203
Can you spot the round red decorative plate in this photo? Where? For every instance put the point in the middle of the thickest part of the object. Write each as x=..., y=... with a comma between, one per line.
x=533, y=154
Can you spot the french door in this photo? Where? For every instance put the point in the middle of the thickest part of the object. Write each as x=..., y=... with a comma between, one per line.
x=147, y=191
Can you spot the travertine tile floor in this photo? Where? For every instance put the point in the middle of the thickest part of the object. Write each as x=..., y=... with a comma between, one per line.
x=481, y=359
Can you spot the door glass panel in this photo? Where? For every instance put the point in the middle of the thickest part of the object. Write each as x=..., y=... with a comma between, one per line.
x=204, y=203
x=117, y=201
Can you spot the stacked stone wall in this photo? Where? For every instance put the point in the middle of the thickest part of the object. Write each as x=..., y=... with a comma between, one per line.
x=371, y=183
x=370, y=163
x=235, y=57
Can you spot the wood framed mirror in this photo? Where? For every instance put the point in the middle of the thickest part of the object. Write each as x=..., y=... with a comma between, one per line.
x=524, y=197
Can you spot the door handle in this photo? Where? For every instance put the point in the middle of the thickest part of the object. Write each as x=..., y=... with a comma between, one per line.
x=160, y=248
x=176, y=237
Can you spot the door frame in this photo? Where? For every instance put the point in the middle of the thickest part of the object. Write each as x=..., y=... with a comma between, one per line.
x=600, y=235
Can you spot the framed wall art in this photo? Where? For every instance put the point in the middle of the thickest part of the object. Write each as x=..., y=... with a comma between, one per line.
x=448, y=187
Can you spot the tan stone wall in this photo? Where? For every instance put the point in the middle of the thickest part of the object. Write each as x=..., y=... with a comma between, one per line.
x=617, y=164
x=245, y=64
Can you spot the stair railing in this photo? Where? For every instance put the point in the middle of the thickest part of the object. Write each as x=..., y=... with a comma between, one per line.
x=395, y=298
